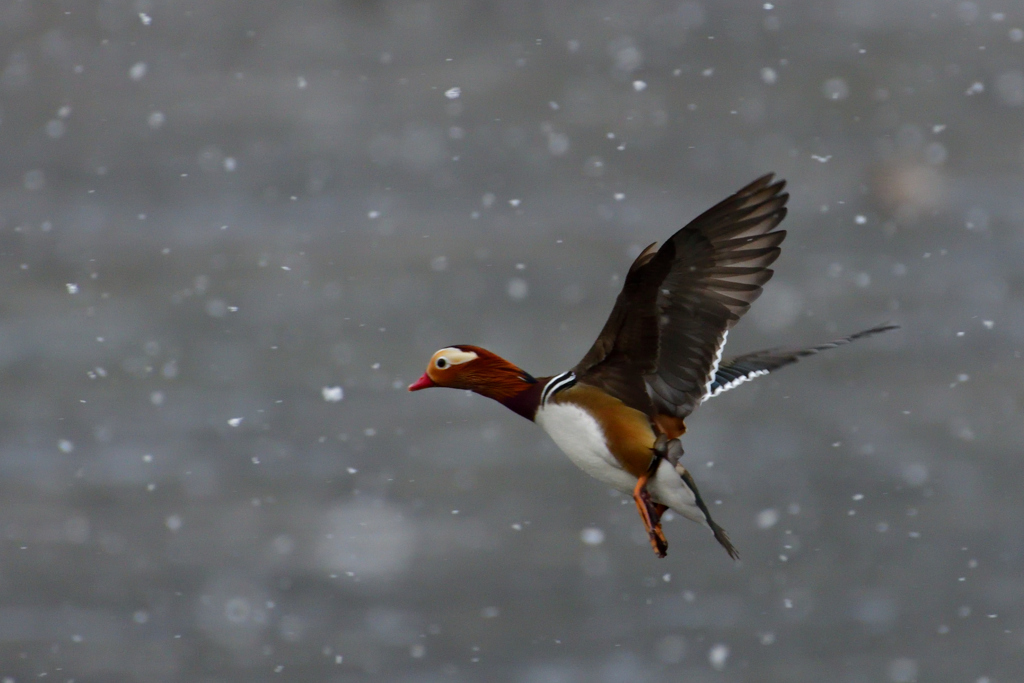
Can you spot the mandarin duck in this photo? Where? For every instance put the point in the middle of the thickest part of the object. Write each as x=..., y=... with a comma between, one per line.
x=619, y=413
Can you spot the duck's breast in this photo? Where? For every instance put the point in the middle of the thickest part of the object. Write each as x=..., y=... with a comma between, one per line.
x=580, y=437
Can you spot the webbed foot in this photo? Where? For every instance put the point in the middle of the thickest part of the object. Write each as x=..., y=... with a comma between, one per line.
x=651, y=512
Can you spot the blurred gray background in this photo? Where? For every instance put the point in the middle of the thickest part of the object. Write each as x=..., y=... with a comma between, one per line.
x=218, y=218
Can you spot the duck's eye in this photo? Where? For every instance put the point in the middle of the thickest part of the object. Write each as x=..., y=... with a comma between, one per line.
x=441, y=363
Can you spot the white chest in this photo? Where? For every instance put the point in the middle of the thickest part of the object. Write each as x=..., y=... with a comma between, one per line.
x=580, y=436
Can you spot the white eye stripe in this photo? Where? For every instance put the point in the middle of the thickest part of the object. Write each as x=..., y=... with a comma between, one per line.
x=455, y=356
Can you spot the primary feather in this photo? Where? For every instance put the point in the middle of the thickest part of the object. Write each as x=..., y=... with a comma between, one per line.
x=740, y=369
x=658, y=351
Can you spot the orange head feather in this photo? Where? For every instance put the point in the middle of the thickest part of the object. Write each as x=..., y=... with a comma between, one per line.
x=476, y=369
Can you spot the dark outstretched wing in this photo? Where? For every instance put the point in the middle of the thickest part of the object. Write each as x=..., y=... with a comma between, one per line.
x=660, y=348
x=735, y=371
x=626, y=348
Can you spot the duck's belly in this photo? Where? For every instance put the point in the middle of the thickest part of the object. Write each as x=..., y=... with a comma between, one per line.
x=668, y=488
x=580, y=437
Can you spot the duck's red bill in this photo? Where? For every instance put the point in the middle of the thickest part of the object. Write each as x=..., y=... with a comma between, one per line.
x=423, y=382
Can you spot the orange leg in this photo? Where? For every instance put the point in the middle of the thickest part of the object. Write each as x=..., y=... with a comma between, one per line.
x=650, y=512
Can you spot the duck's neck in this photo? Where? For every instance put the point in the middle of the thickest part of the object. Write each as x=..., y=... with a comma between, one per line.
x=526, y=401
x=494, y=377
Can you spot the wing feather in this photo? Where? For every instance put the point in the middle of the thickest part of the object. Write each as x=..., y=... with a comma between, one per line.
x=659, y=350
x=736, y=371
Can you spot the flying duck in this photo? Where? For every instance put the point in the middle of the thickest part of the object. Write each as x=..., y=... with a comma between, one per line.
x=619, y=413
